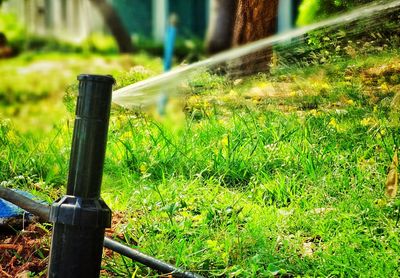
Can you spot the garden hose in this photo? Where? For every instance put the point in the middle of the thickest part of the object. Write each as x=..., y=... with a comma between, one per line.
x=43, y=212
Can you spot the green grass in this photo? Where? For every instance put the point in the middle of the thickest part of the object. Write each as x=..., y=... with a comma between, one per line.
x=241, y=183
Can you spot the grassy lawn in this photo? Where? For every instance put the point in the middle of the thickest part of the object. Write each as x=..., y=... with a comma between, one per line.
x=270, y=175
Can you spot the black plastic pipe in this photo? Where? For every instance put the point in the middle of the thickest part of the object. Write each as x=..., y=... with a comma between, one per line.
x=90, y=136
x=147, y=260
x=43, y=212
x=81, y=216
x=25, y=203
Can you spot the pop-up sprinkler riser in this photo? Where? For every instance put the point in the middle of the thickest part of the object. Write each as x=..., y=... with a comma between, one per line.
x=81, y=216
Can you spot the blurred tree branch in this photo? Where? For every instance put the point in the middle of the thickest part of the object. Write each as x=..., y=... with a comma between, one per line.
x=114, y=23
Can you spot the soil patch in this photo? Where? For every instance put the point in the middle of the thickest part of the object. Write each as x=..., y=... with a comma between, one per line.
x=25, y=252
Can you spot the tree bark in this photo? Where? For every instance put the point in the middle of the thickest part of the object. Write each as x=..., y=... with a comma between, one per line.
x=114, y=23
x=254, y=20
x=220, y=28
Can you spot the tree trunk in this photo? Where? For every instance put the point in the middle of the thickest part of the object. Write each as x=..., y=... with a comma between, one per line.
x=254, y=20
x=220, y=28
x=114, y=23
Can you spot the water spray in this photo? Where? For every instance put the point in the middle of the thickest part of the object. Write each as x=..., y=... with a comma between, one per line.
x=173, y=82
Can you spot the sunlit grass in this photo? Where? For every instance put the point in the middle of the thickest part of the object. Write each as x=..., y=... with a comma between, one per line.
x=278, y=174
x=260, y=185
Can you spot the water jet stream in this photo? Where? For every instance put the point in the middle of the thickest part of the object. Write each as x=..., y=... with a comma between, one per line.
x=148, y=91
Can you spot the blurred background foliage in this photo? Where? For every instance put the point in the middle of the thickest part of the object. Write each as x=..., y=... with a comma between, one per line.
x=186, y=48
x=97, y=42
x=314, y=10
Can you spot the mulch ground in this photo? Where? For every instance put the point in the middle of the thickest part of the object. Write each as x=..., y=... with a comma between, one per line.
x=24, y=253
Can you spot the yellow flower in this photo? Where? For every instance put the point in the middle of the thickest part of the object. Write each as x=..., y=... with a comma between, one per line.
x=325, y=86
x=262, y=84
x=368, y=121
x=350, y=102
x=365, y=164
x=126, y=136
x=205, y=104
x=381, y=133
x=314, y=112
x=143, y=168
x=12, y=136
x=213, y=245
x=333, y=123
x=225, y=141
x=384, y=87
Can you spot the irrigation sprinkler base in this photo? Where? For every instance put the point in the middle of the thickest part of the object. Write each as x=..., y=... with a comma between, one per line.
x=79, y=254
x=42, y=210
x=76, y=211
x=79, y=225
